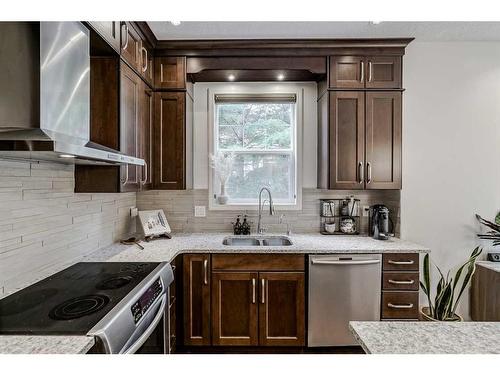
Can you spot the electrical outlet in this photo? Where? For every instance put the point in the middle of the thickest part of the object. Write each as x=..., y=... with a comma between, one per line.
x=134, y=211
x=200, y=211
x=366, y=210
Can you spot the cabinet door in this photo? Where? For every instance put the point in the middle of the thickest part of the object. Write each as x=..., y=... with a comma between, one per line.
x=347, y=139
x=196, y=296
x=169, y=141
x=146, y=136
x=234, y=308
x=170, y=72
x=347, y=72
x=281, y=309
x=383, y=72
x=383, y=140
x=130, y=45
x=130, y=88
x=109, y=31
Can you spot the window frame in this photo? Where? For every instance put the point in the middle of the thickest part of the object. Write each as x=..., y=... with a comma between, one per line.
x=266, y=90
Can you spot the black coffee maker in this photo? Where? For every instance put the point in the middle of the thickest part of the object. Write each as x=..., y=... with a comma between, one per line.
x=380, y=223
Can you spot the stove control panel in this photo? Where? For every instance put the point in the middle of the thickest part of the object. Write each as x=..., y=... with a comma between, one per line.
x=144, y=302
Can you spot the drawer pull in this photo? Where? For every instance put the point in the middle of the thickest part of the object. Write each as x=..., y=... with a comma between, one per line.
x=400, y=262
x=402, y=282
x=404, y=306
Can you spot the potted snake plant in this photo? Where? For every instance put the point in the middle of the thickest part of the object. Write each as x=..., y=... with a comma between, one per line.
x=444, y=305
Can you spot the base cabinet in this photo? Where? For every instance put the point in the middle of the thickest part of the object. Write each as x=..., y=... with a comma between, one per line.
x=196, y=287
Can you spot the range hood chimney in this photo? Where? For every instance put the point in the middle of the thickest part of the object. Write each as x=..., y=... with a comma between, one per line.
x=45, y=94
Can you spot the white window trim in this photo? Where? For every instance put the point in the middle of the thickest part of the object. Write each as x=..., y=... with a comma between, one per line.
x=299, y=118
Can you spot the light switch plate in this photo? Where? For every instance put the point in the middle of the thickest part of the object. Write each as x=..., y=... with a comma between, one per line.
x=200, y=211
x=134, y=211
x=366, y=210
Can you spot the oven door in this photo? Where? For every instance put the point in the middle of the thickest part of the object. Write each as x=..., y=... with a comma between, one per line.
x=150, y=336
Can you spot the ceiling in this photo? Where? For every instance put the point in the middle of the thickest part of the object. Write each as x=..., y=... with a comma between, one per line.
x=421, y=31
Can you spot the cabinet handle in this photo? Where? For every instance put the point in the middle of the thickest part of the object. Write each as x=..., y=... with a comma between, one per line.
x=404, y=306
x=205, y=272
x=369, y=172
x=401, y=282
x=144, y=52
x=369, y=71
x=254, y=287
x=362, y=78
x=143, y=182
x=400, y=262
x=361, y=172
x=126, y=34
x=263, y=291
x=126, y=176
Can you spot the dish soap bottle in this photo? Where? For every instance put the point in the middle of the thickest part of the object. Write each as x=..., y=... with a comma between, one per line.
x=245, y=227
x=237, y=226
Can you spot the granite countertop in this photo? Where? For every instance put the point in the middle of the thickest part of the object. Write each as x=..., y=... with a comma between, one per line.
x=427, y=337
x=45, y=344
x=495, y=266
x=165, y=250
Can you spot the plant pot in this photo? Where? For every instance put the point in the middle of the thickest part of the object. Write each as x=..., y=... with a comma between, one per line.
x=425, y=315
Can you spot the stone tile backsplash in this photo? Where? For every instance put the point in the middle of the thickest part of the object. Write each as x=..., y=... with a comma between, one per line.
x=179, y=209
x=45, y=226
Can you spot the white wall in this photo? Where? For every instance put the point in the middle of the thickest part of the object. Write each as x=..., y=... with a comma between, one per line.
x=451, y=146
x=201, y=131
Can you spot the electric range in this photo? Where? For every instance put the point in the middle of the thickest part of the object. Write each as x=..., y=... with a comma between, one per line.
x=118, y=303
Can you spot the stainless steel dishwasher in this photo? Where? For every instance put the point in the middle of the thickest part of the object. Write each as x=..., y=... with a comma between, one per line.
x=342, y=287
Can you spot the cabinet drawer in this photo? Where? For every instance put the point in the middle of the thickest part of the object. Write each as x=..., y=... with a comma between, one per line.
x=258, y=262
x=400, y=262
x=399, y=305
x=400, y=281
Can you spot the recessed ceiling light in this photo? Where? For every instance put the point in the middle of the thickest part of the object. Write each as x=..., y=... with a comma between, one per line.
x=67, y=156
x=175, y=23
x=281, y=77
x=231, y=77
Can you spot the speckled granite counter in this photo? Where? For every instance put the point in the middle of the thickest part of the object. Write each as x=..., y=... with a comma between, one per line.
x=427, y=337
x=166, y=250
x=45, y=344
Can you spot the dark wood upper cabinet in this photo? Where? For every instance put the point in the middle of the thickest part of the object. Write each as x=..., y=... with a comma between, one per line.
x=360, y=72
x=130, y=45
x=281, y=309
x=146, y=110
x=196, y=299
x=383, y=140
x=347, y=72
x=347, y=139
x=170, y=72
x=169, y=142
x=383, y=72
x=234, y=308
x=109, y=31
x=130, y=90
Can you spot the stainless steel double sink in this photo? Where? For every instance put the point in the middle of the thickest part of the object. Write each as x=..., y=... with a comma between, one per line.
x=257, y=241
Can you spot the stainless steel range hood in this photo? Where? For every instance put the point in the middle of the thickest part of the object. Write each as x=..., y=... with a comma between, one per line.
x=45, y=94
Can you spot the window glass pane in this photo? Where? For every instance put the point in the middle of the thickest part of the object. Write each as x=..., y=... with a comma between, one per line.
x=255, y=126
x=253, y=171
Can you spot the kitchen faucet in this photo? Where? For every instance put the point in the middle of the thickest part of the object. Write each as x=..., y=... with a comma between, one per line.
x=261, y=204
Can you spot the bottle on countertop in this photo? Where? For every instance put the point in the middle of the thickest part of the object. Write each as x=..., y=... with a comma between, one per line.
x=245, y=226
x=237, y=226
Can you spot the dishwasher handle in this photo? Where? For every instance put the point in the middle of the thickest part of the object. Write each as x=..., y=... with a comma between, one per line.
x=345, y=262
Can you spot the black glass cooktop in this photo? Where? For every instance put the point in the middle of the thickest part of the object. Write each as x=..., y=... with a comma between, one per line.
x=72, y=301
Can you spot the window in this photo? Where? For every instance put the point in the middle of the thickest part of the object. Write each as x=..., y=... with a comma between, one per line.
x=260, y=133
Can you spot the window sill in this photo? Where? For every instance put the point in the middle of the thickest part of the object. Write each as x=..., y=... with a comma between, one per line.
x=213, y=206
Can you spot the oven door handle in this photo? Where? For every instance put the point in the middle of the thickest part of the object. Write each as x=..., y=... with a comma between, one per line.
x=142, y=339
